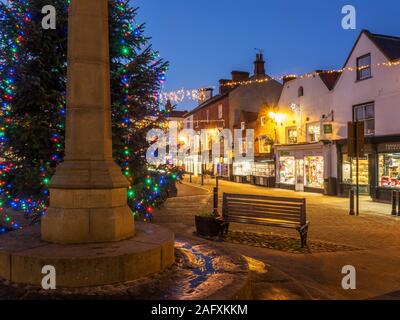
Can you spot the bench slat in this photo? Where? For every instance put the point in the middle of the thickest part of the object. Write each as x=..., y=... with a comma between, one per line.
x=255, y=197
x=266, y=209
x=272, y=203
x=265, y=223
x=251, y=215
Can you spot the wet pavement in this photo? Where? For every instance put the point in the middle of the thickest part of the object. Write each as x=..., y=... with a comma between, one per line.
x=374, y=236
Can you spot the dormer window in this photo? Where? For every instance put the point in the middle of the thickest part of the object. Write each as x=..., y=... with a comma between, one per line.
x=301, y=92
x=364, y=67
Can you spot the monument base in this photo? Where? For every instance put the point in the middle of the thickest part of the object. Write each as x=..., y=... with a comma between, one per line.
x=23, y=255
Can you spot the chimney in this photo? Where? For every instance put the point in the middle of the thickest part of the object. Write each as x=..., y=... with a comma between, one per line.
x=238, y=76
x=288, y=78
x=205, y=94
x=223, y=88
x=259, y=65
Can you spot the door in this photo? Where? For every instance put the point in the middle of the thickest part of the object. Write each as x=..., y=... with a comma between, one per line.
x=299, y=175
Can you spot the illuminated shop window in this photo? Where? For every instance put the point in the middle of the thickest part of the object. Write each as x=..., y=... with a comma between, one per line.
x=349, y=170
x=314, y=172
x=287, y=170
x=389, y=170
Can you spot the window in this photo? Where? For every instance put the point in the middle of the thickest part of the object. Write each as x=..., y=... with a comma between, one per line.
x=243, y=126
x=349, y=170
x=287, y=173
x=364, y=67
x=220, y=111
x=314, y=172
x=314, y=132
x=263, y=121
x=389, y=170
x=208, y=115
x=291, y=135
x=301, y=92
x=366, y=113
x=265, y=144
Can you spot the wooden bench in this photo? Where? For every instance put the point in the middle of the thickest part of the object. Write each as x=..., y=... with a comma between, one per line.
x=278, y=212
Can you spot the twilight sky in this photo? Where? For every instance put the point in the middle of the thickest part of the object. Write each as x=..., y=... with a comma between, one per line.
x=205, y=39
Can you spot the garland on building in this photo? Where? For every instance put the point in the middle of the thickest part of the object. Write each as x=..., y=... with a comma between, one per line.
x=33, y=67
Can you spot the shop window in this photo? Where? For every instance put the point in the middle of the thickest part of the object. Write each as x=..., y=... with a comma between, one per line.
x=349, y=171
x=389, y=170
x=364, y=67
x=291, y=135
x=314, y=172
x=265, y=144
x=314, y=132
x=242, y=169
x=366, y=113
x=287, y=170
x=264, y=169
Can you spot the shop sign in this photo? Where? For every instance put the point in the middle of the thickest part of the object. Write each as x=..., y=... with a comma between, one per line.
x=328, y=128
x=389, y=147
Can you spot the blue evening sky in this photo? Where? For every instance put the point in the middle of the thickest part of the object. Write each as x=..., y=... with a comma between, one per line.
x=205, y=39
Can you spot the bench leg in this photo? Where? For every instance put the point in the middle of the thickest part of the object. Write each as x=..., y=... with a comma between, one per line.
x=224, y=228
x=303, y=236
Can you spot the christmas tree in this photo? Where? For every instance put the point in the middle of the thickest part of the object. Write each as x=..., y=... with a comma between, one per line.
x=33, y=65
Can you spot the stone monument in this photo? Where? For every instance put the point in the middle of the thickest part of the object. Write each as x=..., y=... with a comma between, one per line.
x=88, y=233
x=88, y=194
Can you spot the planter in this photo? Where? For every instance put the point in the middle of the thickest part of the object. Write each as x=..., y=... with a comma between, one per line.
x=207, y=226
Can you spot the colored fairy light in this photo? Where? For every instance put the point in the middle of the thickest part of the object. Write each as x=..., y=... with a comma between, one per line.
x=145, y=193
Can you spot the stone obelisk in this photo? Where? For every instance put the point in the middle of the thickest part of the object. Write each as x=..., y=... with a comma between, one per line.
x=88, y=194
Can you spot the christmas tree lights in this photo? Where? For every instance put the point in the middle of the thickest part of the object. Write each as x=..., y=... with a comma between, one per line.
x=33, y=65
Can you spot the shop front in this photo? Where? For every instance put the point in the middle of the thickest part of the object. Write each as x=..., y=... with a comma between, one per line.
x=387, y=169
x=263, y=173
x=242, y=171
x=301, y=167
x=379, y=170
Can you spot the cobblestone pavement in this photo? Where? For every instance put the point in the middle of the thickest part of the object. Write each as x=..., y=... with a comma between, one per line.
x=374, y=235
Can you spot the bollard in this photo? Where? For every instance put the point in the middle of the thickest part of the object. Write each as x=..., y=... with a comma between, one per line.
x=394, y=203
x=190, y=177
x=398, y=203
x=215, y=201
x=202, y=179
x=352, y=195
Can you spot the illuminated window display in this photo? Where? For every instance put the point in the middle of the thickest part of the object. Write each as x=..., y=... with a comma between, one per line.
x=264, y=169
x=389, y=170
x=242, y=168
x=314, y=171
x=350, y=170
x=287, y=170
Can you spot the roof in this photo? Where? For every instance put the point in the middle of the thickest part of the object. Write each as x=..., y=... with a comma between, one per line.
x=388, y=45
x=176, y=114
x=207, y=103
x=329, y=78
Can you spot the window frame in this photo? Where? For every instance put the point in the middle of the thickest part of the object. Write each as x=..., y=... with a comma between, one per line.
x=288, y=129
x=360, y=76
x=310, y=124
x=300, y=92
x=364, y=119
